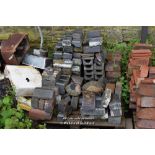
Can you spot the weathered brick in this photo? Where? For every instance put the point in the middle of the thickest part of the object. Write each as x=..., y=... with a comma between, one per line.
x=146, y=113
x=93, y=34
x=67, y=56
x=145, y=124
x=43, y=93
x=114, y=120
x=138, y=46
x=113, y=74
x=77, y=79
x=88, y=101
x=36, y=114
x=146, y=89
x=97, y=41
x=147, y=101
x=144, y=71
x=57, y=55
x=113, y=67
x=106, y=97
x=94, y=49
x=74, y=102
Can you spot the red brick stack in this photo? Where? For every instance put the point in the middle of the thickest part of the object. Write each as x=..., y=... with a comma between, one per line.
x=142, y=86
x=138, y=68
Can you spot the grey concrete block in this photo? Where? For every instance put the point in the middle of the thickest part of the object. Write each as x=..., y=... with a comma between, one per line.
x=94, y=34
x=74, y=103
x=43, y=93
x=88, y=61
x=94, y=49
x=67, y=56
x=88, y=67
x=67, y=41
x=95, y=41
x=68, y=49
x=106, y=97
x=114, y=120
x=88, y=77
x=57, y=55
x=77, y=62
x=35, y=61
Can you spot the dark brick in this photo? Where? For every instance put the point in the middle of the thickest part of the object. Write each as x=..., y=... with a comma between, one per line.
x=74, y=103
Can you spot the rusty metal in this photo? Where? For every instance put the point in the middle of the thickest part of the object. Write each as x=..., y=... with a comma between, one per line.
x=14, y=49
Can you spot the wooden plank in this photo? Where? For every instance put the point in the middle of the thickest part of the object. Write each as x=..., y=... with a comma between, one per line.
x=90, y=123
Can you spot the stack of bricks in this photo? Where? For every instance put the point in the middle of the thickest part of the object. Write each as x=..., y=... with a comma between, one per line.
x=45, y=97
x=93, y=57
x=142, y=88
x=82, y=84
x=113, y=66
x=138, y=68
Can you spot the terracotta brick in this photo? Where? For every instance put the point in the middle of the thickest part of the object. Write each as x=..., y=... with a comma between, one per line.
x=132, y=80
x=138, y=101
x=141, y=51
x=147, y=102
x=110, y=86
x=146, y=89
x=148, y=81
x=139, y=61
x=152, y=70
x=132, y=87
x=146, y=113
x=138, y=46
x=145, y=124
x=137, y=78
x=144, y=71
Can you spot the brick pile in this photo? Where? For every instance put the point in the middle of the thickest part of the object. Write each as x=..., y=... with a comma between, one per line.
x=142, y=85
x=113, y=66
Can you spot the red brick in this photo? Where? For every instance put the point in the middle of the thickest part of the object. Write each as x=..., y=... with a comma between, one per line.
x=132, y=80
x=146, y=89
x=132, y=90
x=141, y=51
x=138, y=101
x=139, y=61
x=145, y=124
x=137, y=78
x=147, y=102
x=152, y=70
x=148, y=81
x=144, y=71
x=146, y=113
x=138, y=46
x=36, y=114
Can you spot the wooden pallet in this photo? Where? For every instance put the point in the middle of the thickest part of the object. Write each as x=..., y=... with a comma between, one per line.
x=73, y=122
